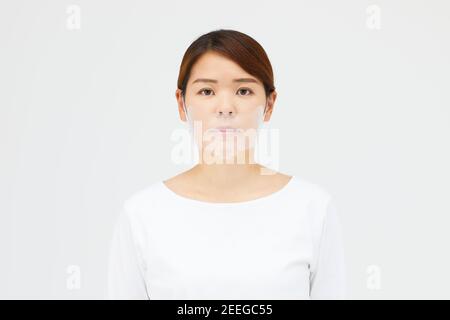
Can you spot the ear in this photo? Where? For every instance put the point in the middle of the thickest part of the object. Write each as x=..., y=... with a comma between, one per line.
x=270, y=104
x=179, y=97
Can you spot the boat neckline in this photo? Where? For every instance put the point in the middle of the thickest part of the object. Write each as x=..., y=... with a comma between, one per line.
x=230, y=204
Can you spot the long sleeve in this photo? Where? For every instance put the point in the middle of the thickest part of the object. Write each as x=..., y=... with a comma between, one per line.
x=328, y=279
x=125, y=268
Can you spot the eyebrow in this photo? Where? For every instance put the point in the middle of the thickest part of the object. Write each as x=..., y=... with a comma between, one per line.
x=234, y=80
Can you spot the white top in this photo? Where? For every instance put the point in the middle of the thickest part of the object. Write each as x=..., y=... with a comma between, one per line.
x=287, y=245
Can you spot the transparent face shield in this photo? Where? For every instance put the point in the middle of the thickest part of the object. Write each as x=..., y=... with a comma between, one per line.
x=261, y=113
x=229, y=150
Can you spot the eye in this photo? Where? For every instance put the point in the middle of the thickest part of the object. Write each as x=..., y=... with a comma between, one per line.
x=207, y=91
x=249, y=92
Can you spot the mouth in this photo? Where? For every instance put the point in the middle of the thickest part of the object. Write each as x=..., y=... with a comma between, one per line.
x=226, y=129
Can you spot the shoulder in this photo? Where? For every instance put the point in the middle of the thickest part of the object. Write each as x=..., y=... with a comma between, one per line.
x=310, y=190
x=144, y=199
x=313, y=198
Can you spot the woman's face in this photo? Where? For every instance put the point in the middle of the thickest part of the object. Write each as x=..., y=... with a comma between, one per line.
x=220, y=93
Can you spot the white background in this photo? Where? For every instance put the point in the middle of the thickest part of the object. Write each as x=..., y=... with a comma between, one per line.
x=86, y=117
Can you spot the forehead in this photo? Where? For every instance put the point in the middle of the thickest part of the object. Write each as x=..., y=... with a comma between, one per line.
x=212, y=65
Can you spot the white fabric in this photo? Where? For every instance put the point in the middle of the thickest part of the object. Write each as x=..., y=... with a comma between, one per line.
x=287, y=245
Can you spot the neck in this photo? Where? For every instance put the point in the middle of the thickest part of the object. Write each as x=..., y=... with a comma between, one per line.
x=222, y=176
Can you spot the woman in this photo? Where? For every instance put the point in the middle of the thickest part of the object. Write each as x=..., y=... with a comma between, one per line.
x=228, y=228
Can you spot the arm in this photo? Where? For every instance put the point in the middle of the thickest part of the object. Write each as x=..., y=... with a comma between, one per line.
x=328, y=276
x=125, y=268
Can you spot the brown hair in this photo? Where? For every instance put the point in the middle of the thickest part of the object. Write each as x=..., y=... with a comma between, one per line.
x=235, y=45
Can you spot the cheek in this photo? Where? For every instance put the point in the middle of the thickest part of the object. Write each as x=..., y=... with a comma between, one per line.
x=200, y=105
x=259, y=115
x=253, y=106
x=201, y=112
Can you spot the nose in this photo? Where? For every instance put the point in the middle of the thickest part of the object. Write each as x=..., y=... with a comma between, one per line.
x=225, y=114
x=226, y=109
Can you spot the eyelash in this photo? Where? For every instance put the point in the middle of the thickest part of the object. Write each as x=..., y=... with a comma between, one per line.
x=249, y=90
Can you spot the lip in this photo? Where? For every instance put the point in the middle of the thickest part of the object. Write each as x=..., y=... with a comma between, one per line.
x=226, y=129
